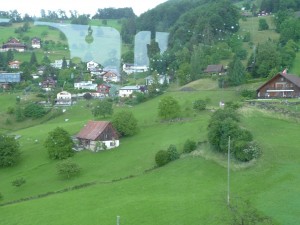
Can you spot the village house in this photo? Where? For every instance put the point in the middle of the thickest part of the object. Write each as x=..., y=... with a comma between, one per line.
x=13, y=44
x=91, y=65
x=59, y=63
x=6, y=79
x=63, y=98
x=88, y=85
x=132, y=68
x=282, y=85
x=111, y=76
x=215, y=69
x=36, y=42
x=127, y=91
x=103, y=89
x=98, y=135
x=48, y=84
x=14, y=64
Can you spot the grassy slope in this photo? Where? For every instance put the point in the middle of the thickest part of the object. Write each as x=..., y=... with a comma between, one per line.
x=188, y=190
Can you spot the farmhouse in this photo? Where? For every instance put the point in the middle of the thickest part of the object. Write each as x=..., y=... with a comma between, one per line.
x=282, y=85
x=111, y=76
x=95, y=134
x=215, y=69
x=13, y=44
x=103, y=89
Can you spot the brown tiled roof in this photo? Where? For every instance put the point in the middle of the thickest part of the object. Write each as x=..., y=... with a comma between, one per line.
x=214, y=68
x=92, y=130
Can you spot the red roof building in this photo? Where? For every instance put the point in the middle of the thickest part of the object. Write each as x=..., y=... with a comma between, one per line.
x=14, y=44
x=98, y=135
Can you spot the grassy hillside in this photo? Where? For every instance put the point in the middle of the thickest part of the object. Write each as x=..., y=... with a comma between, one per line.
x=189, y=190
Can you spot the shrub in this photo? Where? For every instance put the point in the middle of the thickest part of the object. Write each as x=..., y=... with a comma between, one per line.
x=34, y=111
x=68, y=169
x=173, y=153
x=162, y=158
x=246, y=151
x=199, y=105
x=18, y=182
x=189, y=146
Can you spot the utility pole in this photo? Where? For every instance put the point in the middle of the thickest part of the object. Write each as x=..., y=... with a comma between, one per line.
x=228, y=173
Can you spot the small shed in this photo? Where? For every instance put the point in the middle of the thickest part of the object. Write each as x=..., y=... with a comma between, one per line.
x=98, y=135
x=215, y=69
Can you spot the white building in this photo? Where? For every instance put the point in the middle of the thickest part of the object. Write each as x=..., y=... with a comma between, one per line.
x=131, y=68
x=91, y=65
x=127, y=91
x=85, y=85
x=64, y=98
x=58, y=63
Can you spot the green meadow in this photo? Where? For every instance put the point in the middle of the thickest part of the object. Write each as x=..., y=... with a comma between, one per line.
x=124, y=181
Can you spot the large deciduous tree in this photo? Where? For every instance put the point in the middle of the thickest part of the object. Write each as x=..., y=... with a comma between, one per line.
x=9, y=151
x=59, y=144
x=125, y=123
x=103, y=108
x=168, y=108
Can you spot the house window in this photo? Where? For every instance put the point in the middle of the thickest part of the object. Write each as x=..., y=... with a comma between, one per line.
x=112, y=143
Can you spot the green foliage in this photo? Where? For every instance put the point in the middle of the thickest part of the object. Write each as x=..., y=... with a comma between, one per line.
x=34, y=111
x=173, y=153
x=246, y=151
x=248, y=94
x=125, y=123
x=199, y=105
x=263, y=25
x=59, y=144
x=168, y=108
x=18, y=182
x=9, y=151
x=68, y=169
x=162, y=158
x=189, y=146
x=103, y=108
x=236, y=72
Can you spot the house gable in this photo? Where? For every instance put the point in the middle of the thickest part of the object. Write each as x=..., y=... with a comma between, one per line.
x=280, y=86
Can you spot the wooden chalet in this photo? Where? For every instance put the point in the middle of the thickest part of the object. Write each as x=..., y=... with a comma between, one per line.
x=95, y=134
x=282, y=85
x=215, y=69
x=14, y=44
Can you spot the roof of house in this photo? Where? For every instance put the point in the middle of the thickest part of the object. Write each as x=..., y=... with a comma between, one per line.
x=130, y=88
x=291, y=77
x=214, y=68
x=10, y=77
x=92, y=130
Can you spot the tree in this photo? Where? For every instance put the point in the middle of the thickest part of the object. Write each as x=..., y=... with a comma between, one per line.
x=33, y=60
x=103, y=108
x=161, y=158
x=9, y=151
x=173, y=153
x=236, y=72
x=34, y=111
x=59, y=144
x=125, y=123
x=189, y=146
x=168, y=108
x=262, y=24
x=68, y=169
x=199, y=105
